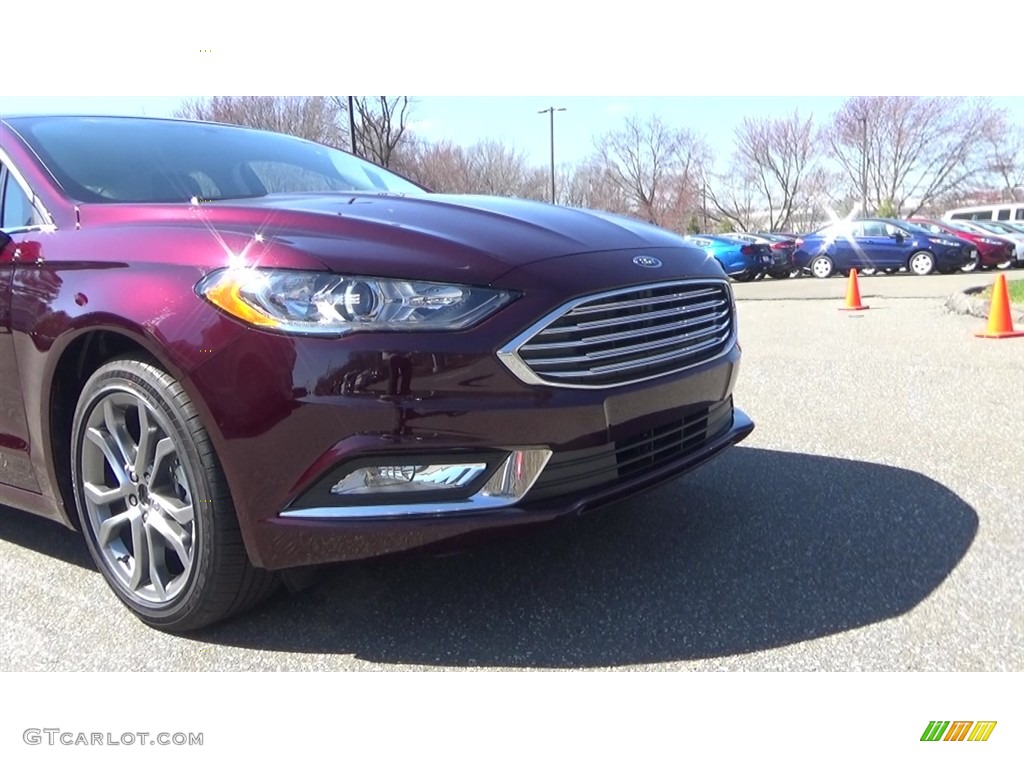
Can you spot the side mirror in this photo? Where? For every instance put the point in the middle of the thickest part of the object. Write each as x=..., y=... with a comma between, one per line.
x=5, y=239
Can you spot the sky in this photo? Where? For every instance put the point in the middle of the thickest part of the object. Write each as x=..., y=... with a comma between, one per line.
x=480, y=73
x=515, y=119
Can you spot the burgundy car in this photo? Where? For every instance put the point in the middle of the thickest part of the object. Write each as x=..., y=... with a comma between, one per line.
x=991, y=251
x=230, y=355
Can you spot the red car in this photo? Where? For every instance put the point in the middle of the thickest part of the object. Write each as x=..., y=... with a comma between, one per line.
x=229, y=355
x=991, y=251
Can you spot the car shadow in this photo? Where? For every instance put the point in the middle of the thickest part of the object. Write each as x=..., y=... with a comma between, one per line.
x=756, y=550
x=44, y=536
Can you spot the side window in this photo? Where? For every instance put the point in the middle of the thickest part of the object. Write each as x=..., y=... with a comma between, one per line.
x=983, y=215
x=16, y=209
x=1018, y=215
x=1004, y=214
x=874, y=229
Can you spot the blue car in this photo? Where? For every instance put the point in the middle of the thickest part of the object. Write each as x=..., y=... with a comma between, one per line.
x=880, y=244
x=741, y=261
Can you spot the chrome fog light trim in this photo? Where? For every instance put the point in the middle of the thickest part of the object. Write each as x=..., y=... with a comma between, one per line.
x=509, y=483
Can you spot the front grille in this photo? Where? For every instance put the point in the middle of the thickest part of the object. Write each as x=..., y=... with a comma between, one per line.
x=570, y=472
x=627, y=336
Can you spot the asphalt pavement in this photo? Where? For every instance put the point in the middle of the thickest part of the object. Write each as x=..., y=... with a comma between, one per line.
x=873, y=521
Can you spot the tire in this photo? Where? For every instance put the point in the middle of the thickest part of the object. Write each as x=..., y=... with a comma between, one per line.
x=1005, y=264
x=156, y=513
x=785, y=275
x=822, y=267
x=921, y=263
x=744, y=277
x=973, y=265
x=869, y=271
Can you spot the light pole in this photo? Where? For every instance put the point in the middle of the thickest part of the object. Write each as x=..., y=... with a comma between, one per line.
x=864, y=165
x=351, y=125
x=551, y=111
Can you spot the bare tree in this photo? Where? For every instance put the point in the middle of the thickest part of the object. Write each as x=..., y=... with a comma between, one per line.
x=656, y=168
x=909, y=150
x=316, y=118
x=732, y=199
x=776, y=156
x=381, y=123
x=1006, y=159
x=439, y=166
x=590, y=185
x=499, y=170
x=488, y=167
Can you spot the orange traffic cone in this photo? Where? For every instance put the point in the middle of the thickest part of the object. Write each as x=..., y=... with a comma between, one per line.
x=852, y=294
x=1000, y=323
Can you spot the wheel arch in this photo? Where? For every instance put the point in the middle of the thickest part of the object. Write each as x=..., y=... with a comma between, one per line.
x=83, y=352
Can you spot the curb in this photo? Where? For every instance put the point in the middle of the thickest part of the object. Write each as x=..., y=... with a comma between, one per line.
x=964, y=303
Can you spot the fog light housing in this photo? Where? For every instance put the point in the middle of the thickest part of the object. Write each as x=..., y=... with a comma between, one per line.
x=408, y=478
x=389, y=487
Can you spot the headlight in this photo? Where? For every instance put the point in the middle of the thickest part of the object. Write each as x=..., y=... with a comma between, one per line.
x=940, y=241
x=989, y=241
x=326, y=304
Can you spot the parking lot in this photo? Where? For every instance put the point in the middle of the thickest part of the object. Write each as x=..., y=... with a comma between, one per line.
x=873, y=521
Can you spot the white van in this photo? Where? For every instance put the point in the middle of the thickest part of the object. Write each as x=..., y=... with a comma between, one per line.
x=998, y=212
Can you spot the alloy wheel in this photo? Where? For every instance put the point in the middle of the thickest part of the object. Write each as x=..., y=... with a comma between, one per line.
x=138, y=497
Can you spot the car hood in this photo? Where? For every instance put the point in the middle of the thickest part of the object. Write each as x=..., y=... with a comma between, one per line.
x=428, y=236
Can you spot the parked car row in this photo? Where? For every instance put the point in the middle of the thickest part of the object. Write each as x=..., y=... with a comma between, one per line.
x=870, y=245
x=747, y=256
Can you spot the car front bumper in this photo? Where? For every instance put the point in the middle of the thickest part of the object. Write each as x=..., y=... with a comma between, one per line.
x=293, y=417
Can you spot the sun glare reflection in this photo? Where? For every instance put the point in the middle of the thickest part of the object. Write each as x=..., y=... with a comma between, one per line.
x=843, y=227
x=235, y=259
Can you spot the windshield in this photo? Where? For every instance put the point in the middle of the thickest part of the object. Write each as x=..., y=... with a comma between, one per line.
x=139, y=160
x=1003, y=227
x=913, y=227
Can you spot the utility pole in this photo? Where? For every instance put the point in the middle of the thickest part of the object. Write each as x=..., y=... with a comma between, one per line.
x=704, y=204
x=864, y=165
x=551, y=111
x=352, y=125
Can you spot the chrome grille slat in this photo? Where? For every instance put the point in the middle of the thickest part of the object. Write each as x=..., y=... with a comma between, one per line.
x=665, y=357
x=631, y=349
x=589, y=310
x=626, y=336
x=627, y=319
x=606, y=337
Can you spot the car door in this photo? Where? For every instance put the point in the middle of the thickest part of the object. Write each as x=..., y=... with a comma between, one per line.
x=901, y=244
x=842, y=244
x=18, y=219
x=875, y=247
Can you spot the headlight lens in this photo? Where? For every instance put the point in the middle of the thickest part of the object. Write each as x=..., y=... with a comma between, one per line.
x=326, y=304
x=940, y=241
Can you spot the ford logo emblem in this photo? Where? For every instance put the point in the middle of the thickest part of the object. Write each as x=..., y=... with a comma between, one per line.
x=647, y=261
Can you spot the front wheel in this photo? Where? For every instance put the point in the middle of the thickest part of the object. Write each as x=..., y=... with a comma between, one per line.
x=822, y=267
x=153, y=501
x=921, y=263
